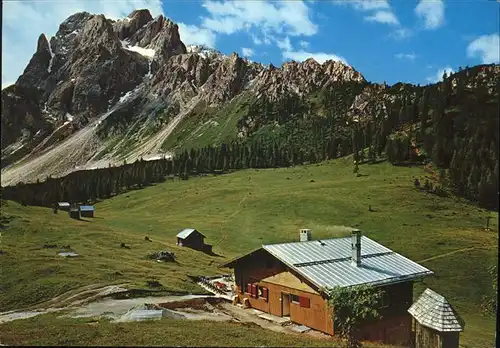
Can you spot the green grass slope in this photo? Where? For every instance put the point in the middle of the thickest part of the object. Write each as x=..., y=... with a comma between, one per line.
x=240, y=211
x=206, y=126
x=52, y=331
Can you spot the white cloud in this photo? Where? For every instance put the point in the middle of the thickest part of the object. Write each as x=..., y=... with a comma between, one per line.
x=256, y=40
x=486, y=47
x=193, y=35
x=365, y=5
x=432, y=13
x=380, y=10
x=368, y=5
x=19, y=40
x=304, y=44
x=405, y=56
x=286, y=17
x=384, y=17
x=320, y=57
x=401, y=33
x=285, y=44
x=247, y=52
x=439, y=75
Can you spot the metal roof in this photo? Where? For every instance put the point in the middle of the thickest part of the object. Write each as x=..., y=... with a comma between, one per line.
x=186, y=233
x=63, y=204
x=87, y=208
x=433, y=310
x=327, y=263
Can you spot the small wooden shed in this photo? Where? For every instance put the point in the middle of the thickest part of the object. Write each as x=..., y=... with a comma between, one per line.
x=191, y=238
x=87, y=211
x=74, y=212
x=437, y=324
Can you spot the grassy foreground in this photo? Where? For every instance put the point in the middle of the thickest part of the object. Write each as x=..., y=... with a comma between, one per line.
x=52, y=331
x=238, y=212
x=49, y=330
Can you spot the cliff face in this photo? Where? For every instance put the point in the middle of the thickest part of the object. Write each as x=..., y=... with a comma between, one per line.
x=102, y=91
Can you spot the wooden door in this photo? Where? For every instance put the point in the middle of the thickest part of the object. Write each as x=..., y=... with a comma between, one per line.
x=285, y=304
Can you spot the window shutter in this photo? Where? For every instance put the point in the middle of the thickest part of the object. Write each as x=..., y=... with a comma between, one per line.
x=254, y=291
x=265, y=294
x=304, y=302
x=249, y=288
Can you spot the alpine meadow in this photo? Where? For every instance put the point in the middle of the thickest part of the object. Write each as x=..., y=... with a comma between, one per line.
x=180, y=195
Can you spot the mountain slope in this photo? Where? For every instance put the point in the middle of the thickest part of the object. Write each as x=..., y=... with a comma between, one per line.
x=93, y=63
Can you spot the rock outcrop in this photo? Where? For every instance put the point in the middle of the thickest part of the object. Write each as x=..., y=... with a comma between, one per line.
x=97, y=73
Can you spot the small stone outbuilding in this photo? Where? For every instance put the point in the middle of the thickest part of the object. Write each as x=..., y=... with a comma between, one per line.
x=437, y=324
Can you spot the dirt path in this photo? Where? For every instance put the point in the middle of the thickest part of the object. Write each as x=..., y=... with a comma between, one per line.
x=247, y=316
x=78, y=296
x=224, y=235
x=91, y=301
x=70, y=299
x=445, y=254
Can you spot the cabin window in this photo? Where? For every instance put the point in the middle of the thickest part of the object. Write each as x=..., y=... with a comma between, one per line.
x=305, y=302
x=263, y=293
x=255, y=293
x=247, y=285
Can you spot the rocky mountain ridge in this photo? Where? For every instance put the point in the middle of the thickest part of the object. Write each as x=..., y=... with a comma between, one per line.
x=104, y=91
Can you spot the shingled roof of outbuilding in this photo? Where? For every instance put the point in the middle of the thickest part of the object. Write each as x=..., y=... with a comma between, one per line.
x=433, y=310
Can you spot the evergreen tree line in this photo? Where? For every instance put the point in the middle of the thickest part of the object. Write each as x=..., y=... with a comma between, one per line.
x=90, y=185
x=455, y=126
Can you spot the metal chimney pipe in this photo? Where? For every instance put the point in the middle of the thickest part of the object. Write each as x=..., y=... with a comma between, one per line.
x=356, y=247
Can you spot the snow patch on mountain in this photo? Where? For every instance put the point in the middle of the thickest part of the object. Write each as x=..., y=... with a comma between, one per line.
x=203, y=51
x=146, y=52
x=129, y=95
x=149, y=74
x=52, y=55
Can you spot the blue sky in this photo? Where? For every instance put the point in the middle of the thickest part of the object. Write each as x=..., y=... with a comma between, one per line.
x=404, y=40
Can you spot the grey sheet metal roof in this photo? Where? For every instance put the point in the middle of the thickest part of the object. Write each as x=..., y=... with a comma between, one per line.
x=63, y=204
x=327, y=263
x=186, y=233
x=433, y=310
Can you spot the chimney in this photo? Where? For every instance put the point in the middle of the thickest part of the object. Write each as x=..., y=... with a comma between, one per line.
x=305, y=235
x=356, y=247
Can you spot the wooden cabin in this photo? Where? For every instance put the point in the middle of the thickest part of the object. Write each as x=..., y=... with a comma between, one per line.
x=74, y=212
x=436, y=323
x=87, y=211
x=290, y=280
x=63, y=206
x=191, y=238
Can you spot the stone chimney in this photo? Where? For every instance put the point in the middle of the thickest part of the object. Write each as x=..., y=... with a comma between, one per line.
x=305, y=235
x=356, y=247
